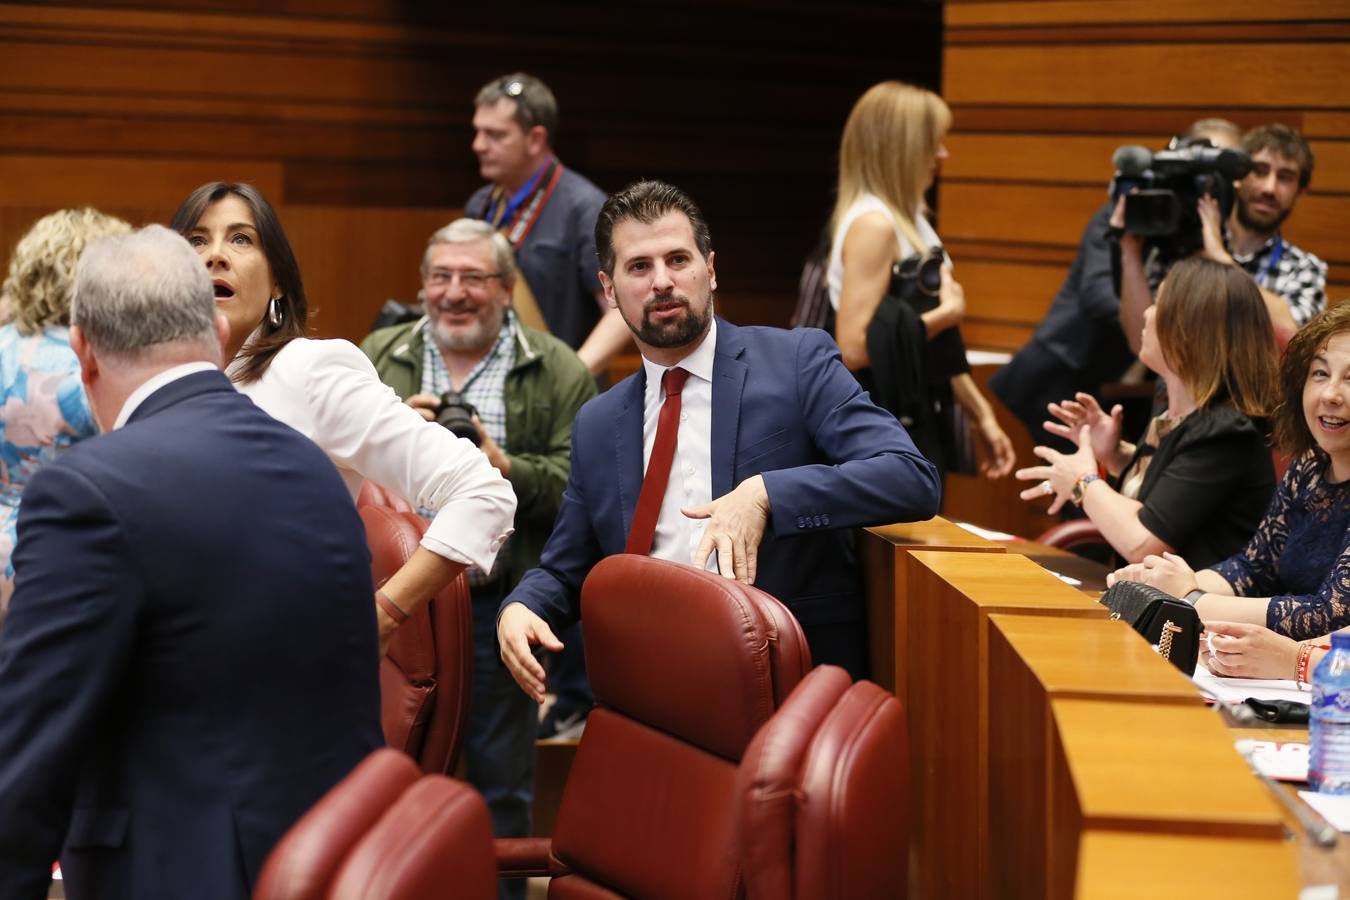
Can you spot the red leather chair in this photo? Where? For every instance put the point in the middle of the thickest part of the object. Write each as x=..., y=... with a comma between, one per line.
x=373, y=494
x=685, y=666
x=435, y=841
x=824, y=795
x=305, y=861
x=1070, y=534
x=424, y=679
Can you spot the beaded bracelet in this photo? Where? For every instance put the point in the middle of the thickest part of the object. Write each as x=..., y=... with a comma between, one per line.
x=1305, y=649
x=395, y=612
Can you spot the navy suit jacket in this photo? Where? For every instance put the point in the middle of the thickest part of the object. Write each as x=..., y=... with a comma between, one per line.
x=189, y=661
x=783, y=406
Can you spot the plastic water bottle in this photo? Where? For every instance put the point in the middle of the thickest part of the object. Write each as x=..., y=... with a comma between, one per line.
x=1329, y=731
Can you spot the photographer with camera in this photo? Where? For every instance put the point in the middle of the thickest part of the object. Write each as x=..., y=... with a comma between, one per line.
x=471, y=365
x=898, y=306
x=1239, y=226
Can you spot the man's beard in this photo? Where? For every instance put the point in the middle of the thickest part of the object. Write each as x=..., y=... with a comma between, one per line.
x=676, y=333
x=478, y=336
x=1244, y=216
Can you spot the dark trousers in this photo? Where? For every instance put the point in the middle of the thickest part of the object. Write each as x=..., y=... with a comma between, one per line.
x=499, y=743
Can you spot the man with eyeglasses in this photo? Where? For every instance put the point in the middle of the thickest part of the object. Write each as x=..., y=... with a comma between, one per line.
x=527, y=387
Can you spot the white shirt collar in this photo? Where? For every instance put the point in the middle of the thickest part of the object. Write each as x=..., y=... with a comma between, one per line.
x=154, y=383
x=698, y=363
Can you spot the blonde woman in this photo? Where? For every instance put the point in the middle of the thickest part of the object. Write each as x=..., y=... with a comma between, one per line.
x=42, y=405
x=888, y=157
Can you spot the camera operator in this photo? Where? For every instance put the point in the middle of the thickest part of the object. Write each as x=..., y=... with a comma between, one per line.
x=526, y=387
x=1078, y=346
x=1292, y=281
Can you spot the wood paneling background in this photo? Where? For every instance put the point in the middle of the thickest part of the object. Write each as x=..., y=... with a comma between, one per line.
x=354, y=117
x=1043, y=93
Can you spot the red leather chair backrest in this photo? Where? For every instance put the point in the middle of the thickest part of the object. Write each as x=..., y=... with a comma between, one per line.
x=685, y=667
x=305, y=861
x=435, y=841
x=424, y=678
x=852, y=830
x=766, y=783
x=373, y=494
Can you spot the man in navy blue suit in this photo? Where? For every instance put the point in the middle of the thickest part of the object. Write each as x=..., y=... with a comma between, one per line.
x=189, y=660
x=778, y=454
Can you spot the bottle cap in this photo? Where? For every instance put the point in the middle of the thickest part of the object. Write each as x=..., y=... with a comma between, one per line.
x=1340, y=640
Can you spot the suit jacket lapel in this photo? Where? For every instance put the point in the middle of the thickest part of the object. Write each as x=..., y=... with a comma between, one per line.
x=628, y=446
x=729, y=373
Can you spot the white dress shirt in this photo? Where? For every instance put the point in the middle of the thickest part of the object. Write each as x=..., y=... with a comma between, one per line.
x=677, y=536
x=329, y=392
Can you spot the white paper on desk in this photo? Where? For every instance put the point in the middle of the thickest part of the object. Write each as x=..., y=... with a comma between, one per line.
x=1281, y=760
x=1236, y=690
x=1335, y=808
x=986, y=533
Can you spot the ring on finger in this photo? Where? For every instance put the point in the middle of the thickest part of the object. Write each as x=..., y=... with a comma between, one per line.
x=1047, y=488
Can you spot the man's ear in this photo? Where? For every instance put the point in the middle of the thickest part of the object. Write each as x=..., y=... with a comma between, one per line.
x=712, y=273
x=536, y=140
x=84, y=353
x=223, y=334
x=607, y=286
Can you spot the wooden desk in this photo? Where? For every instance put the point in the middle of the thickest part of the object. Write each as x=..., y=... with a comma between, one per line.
x=1033, y=660
x=1317, y=865
x=882, y=550
x=951, y=596
x=1115, y=865
x=1151, y=769
x=1092, y=574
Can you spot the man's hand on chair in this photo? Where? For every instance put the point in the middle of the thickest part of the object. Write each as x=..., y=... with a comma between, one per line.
x=518, y=629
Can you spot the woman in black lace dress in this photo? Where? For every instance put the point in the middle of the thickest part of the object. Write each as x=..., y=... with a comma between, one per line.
x=1291, y=584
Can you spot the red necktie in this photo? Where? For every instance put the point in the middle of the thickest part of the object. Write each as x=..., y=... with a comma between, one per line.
x=643, y=530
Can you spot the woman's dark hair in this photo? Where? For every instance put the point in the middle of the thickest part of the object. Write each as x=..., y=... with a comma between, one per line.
x=257, y=355
x=1215, y=334
x=1291, y=426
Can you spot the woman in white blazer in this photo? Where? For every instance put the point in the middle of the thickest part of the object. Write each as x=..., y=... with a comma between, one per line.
x=329, y=392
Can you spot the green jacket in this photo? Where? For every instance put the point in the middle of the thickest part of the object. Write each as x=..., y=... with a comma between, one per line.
x=544, y=390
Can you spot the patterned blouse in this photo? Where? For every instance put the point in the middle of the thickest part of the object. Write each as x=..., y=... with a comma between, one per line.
x=1300, y=554
x=43, y=412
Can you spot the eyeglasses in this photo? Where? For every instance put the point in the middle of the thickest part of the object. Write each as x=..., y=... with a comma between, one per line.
x=472, y=281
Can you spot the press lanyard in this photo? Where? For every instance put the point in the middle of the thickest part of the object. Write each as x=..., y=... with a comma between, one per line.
x=517, y=198
x=1272, y=268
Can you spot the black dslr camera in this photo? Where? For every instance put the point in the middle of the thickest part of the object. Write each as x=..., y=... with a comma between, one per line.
x=456, y=414
x=917, y=279
x=1161, y=190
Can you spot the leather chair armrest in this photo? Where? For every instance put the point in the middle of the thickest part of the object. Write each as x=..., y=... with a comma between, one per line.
x=527, y=858
x=1074, y=533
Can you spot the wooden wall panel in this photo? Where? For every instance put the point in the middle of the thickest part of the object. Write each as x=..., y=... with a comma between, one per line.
x=358, y=112
x=1044, y=92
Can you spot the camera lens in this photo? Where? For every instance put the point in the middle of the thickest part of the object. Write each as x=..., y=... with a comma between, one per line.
x=456, y=414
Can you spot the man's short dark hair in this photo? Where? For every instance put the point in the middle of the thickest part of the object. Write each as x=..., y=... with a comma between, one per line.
x=535, y=104
x=1286, y=142
x=645, y=202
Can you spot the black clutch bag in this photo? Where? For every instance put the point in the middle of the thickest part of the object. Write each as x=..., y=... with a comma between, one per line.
x=1172, y=626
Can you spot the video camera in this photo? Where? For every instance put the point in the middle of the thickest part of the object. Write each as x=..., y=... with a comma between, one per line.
x=1161, y=190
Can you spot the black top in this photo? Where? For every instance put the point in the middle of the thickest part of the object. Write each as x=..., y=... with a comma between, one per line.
x=1208, y=485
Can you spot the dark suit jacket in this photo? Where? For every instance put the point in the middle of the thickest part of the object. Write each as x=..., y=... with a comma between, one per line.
x=189, y=660
x=783, y=406
x=1077, y=346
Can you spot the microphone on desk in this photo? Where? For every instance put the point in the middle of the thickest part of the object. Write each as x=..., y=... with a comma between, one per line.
x=1322, y=832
